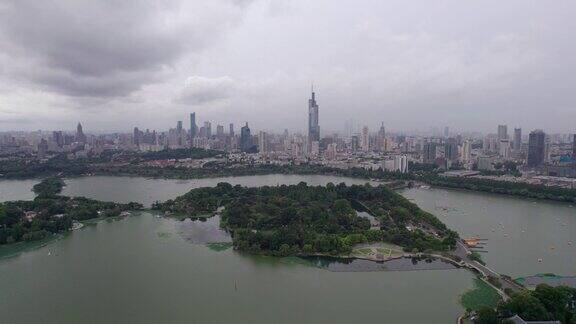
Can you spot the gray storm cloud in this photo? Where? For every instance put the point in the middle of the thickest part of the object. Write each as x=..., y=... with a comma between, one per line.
x=470, y=65
x=201, y=90
x=106, y=48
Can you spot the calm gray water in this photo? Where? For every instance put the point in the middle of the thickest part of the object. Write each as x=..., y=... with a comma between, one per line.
x=144, y=269
x=146, y=191
x=17, y=189
x=519, y=232
x=140, y=270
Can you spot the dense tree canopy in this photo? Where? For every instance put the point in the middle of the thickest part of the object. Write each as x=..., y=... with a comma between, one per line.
x=545, y=303
x=305, y=219
x=51, y=213
x=183, y=153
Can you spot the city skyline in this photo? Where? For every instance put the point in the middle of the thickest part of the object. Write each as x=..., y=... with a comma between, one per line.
x=298, y=161
x=421, y=66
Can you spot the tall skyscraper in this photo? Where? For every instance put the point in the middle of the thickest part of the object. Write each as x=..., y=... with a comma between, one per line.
x=80, y=137
x=502, y=132
x=231, y=130
x=58, y=138
x=446, y=131
x=208, y=129
x=365, y=143
x=504, y=151
x=466, y=151
x=313, y=127
x=220, y=131
x=193, y=126
x=429, y=152
x=401, y=163
x=517, y=139
x=136, y=136
x=179, y=127
x=451, y=149
x=245, y=138
x=263, y=142
x=574, y=147
x=382, y=131
x=536, y=148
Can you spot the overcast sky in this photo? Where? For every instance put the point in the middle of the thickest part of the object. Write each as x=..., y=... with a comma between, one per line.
x=114, y=64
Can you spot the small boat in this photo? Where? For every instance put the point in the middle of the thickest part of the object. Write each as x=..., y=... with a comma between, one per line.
x=539, y=260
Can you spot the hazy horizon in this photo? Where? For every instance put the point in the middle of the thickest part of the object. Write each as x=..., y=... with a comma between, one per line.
x=414, y=66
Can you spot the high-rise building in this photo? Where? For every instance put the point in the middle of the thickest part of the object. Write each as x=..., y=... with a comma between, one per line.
x=179, y=137
x=505, y=148
x=231, y=130
x=466, y=151
x=58, y=138
x=365, y=139
x=136, y=136
x=42, y=148
x=429, y=152
x=220, y=131
x=536, y=148
x=574, y=146
x=502, y=132
x=354, y=143
x=80, y=137
x=245, y=138
x=451, y=149
x=313, y=127
x=262, y=142
x=401, y=163
x=382, y=131
x=446, y=131
x=517, y=139
x=208, y=129
x=193, y=126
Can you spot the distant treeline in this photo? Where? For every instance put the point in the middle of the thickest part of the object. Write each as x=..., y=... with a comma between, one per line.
x=50, y=213
x=61, y=164
x=183, y=153
x=426, y=173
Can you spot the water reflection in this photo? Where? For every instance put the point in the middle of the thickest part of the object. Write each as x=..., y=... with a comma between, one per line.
x=203, y=230
x=359, y=265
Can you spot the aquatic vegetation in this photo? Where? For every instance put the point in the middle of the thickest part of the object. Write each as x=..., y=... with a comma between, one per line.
x=482, y=295
x=219, y=246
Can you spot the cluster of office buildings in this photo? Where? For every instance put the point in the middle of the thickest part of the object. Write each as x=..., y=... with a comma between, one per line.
x=536, y=152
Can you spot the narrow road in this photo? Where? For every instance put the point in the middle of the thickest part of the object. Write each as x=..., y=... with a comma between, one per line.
x=463, y=252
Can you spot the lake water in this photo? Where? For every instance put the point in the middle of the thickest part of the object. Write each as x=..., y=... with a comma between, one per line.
x=147, y=191
x=519, y=232
x=141, y=270
x=17, y=189
x=146, y=269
